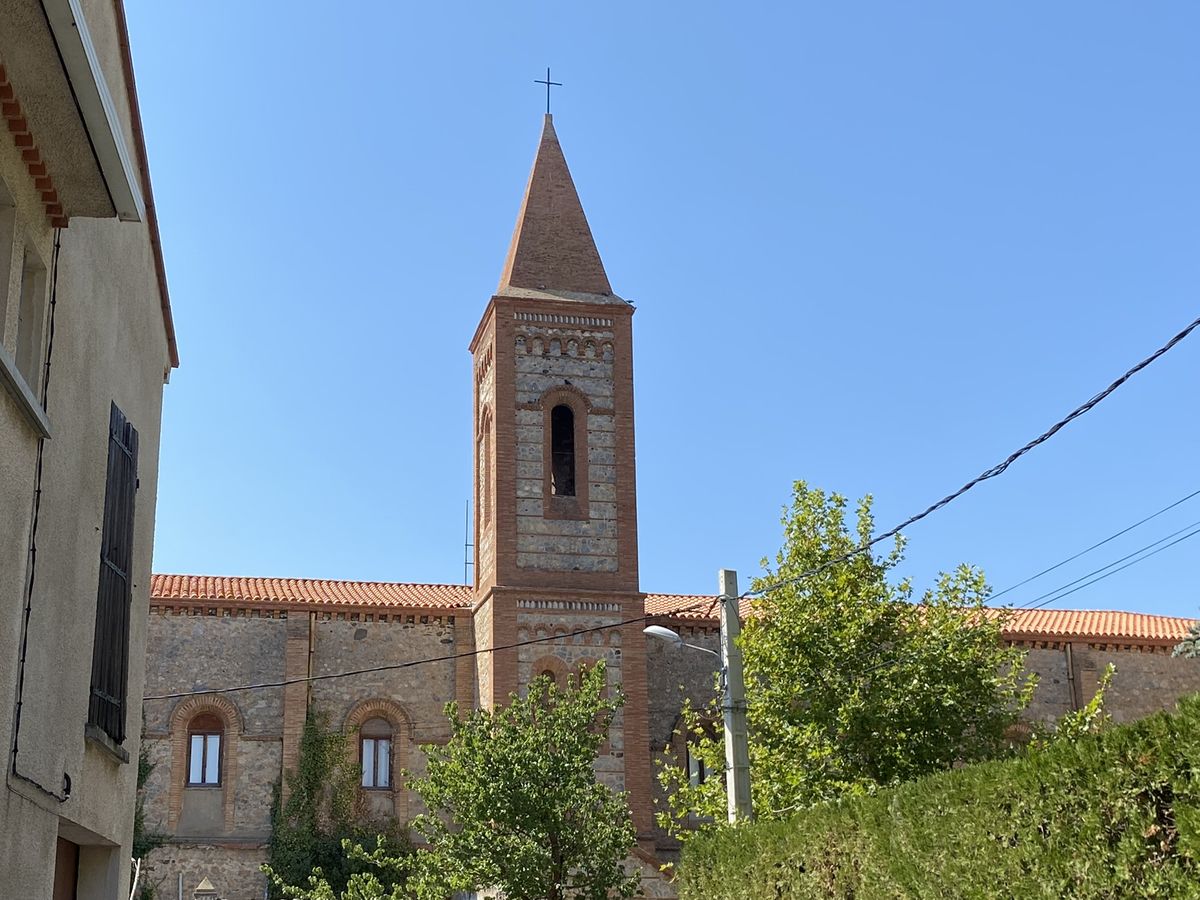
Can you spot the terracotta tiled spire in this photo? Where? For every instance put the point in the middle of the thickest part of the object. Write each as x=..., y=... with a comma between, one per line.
x=552, y=247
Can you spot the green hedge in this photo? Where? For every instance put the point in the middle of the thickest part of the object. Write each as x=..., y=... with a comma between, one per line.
x=1109, y=815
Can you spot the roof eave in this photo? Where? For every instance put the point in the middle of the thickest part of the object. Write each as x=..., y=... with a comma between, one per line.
x=96, y=107
x=135, y=121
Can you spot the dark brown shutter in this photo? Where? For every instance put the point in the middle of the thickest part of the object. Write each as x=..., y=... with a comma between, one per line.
x=110, y=651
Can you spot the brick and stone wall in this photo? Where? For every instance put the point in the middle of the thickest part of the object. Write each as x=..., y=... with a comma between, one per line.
x=233, y=869
x=576, y=362
x=567, y=654
x=1145, y=681
x=221, y=833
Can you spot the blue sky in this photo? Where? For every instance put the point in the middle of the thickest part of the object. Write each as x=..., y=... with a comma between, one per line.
x=875, y=246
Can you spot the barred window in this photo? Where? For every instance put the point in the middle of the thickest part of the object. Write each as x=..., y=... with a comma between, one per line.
x=110, y=648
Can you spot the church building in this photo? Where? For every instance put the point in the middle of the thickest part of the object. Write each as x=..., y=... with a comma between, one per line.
x=556, y=563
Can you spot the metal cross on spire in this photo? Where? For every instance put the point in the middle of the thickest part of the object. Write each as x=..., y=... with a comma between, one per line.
x=547, y=83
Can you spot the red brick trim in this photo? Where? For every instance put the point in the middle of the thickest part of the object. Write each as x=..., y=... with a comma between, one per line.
x=402, y=738
x=183, y=713
x=575, y=507
x=10, y=109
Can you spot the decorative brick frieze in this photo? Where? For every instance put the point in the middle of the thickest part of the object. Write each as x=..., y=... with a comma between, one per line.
x=561, y=319
x=23, y=140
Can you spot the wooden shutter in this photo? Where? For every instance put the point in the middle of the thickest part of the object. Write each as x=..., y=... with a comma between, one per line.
x=110, y=650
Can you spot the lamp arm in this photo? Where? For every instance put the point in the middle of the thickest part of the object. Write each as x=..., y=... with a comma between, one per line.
x=701, y=649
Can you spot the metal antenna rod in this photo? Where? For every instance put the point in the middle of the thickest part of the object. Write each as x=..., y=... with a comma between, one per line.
x=467, y=545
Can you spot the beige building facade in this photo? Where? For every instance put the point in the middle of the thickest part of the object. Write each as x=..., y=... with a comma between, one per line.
x=556, y=588
x=87, y=345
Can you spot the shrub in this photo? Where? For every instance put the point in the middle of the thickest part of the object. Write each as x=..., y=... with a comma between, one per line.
x=1114, y=814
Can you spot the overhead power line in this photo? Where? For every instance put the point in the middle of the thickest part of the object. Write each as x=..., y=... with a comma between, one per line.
x=995, y=470
x=1051, y=596
x=1111, y=537
x=425, y=660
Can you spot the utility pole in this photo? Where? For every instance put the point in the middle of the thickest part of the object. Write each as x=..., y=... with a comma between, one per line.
x=737, y=747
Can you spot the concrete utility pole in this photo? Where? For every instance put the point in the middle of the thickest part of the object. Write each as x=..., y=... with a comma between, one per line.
x=737, y=746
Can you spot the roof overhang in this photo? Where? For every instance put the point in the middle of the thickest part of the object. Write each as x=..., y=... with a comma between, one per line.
x=65, y=113
x=96, y=107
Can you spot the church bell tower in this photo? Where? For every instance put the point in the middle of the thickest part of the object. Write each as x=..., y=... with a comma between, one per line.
x=555, y=496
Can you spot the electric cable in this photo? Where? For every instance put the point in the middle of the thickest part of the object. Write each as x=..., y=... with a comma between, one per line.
x=407, y=664
x=1122, y=559
x=995, y=470
x=1111, y=537
x=1053, y=595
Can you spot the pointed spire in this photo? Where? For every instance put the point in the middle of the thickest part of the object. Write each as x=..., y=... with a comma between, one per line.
x=552, y=247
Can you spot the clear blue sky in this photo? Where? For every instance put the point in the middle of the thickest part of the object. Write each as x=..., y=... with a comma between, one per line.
x=876, y=246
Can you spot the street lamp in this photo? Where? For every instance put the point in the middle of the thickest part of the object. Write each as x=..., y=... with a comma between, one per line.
x=737, y=748
x=666, y=634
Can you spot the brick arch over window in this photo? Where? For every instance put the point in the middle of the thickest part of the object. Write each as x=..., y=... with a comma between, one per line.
x=230, y=716
x=574, y=506
x=552, y=664
x=486, y=474
x=402, y=737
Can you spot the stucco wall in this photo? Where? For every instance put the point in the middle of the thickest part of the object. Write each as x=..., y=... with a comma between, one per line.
x=109, y=346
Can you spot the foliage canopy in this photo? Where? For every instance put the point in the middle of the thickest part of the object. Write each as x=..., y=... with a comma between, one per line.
x=851, y=682
x=519, y=786
x=1113, y=814
x=514, y=803
x=321, y=817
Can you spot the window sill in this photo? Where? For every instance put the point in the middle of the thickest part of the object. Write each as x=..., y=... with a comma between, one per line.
x=14, y=382
x=105, y=743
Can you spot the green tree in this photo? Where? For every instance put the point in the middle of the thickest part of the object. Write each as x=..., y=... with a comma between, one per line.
x=515, y=803
x=321, y=818
x=1189, y=647
x=852, y=684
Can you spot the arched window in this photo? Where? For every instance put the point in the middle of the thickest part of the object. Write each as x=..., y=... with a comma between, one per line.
x=205, y=736
x=375, y=741
x=697, y=770
x=549, y=673
x=562, y=451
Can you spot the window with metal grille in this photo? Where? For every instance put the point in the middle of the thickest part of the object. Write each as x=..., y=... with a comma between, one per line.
x=110, y=649
x=204, y=750
x=376, y=744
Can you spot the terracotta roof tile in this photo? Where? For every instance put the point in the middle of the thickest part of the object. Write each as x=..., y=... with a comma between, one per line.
x=1109, y=626
x=284, y=591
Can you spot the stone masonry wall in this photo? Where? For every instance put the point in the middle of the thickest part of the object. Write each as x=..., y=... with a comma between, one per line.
x=420, y=692
x=566, y=656
x=485, y=450
x=218, y=833
x=233, y=870
x=549, y=358
x=187, y=653
x=1144, y=682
